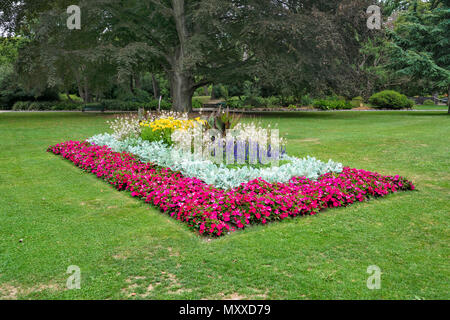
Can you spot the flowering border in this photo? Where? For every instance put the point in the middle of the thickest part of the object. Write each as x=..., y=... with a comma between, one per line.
x=220, y=176
x=215, y=212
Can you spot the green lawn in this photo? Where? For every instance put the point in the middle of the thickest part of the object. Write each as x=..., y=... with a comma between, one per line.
x=434, y=107
x=68, y=217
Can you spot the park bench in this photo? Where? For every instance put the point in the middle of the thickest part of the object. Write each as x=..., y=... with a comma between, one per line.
x=93, y=107
x=218, y=105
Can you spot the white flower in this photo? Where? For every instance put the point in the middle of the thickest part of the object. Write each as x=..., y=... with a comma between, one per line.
x=220, y=176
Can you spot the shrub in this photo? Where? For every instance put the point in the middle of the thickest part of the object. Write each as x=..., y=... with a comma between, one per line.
x=391, y=99
x=45, y=106
x=235, y=103
x=119, y=105
x=252, y=101
x=261, y=102
x=288, y=100
x=196, y=104
x=306, y=101
x=74, y=97
x=20, y=105
x=357, y=102
x=428, y=103
x=37, y=106
x=332, y=104
x=272, y=101
x=138, y=95
x=111, y=105
x=220, y=91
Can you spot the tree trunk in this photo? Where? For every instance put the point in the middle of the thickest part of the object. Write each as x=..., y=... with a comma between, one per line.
x=68, y=97
x=213, y=93
x=181, y=81
x=182, y=91
x=137, y=81
x=81, y=92
x=131, y=84
x=80, y=86
x=87, y=94
x=155, y=84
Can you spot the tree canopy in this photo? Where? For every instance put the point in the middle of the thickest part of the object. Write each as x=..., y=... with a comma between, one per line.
x=291, y=47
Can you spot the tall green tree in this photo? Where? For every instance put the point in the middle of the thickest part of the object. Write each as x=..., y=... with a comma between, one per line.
x=420, y=45
x=299, y=45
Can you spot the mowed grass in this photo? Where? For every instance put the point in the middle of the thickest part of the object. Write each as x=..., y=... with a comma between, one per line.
x=128, y=250
x=432, y=107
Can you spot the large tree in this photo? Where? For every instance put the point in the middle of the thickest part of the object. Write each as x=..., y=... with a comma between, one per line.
x=296, y=44
x=420, y=45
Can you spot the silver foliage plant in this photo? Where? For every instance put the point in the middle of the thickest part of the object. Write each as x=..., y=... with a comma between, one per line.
x=220, y=176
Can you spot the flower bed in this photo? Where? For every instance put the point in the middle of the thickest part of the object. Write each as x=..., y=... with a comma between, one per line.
x=218, y=175
x=215, y=212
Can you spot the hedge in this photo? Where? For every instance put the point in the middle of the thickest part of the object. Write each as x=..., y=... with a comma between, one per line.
x=46, y=105
x=332, y=104
x=111, y=105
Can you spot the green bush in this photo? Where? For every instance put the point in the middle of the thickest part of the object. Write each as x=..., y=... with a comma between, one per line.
x=261, y=102
x=37, y=106
x=119, y=105
x=196, y=103
x=288, y=100
x=138, y=95
x=220, y=91
x=20, y=105
x=391, y=99
x=46, y=106
x=74, y=97
x=428, y=103
x=111, y=105
x=252, y=101
x=332, y=104
x=235, y=103
x=272, y=101
x=357, y=101
x=306, y=101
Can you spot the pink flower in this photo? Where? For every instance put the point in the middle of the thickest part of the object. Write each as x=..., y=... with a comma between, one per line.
x=212, y=211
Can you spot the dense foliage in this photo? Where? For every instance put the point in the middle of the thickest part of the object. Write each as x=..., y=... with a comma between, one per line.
x=290, y=47
x=390, y=99
x=259, y=53
x=332, y=104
